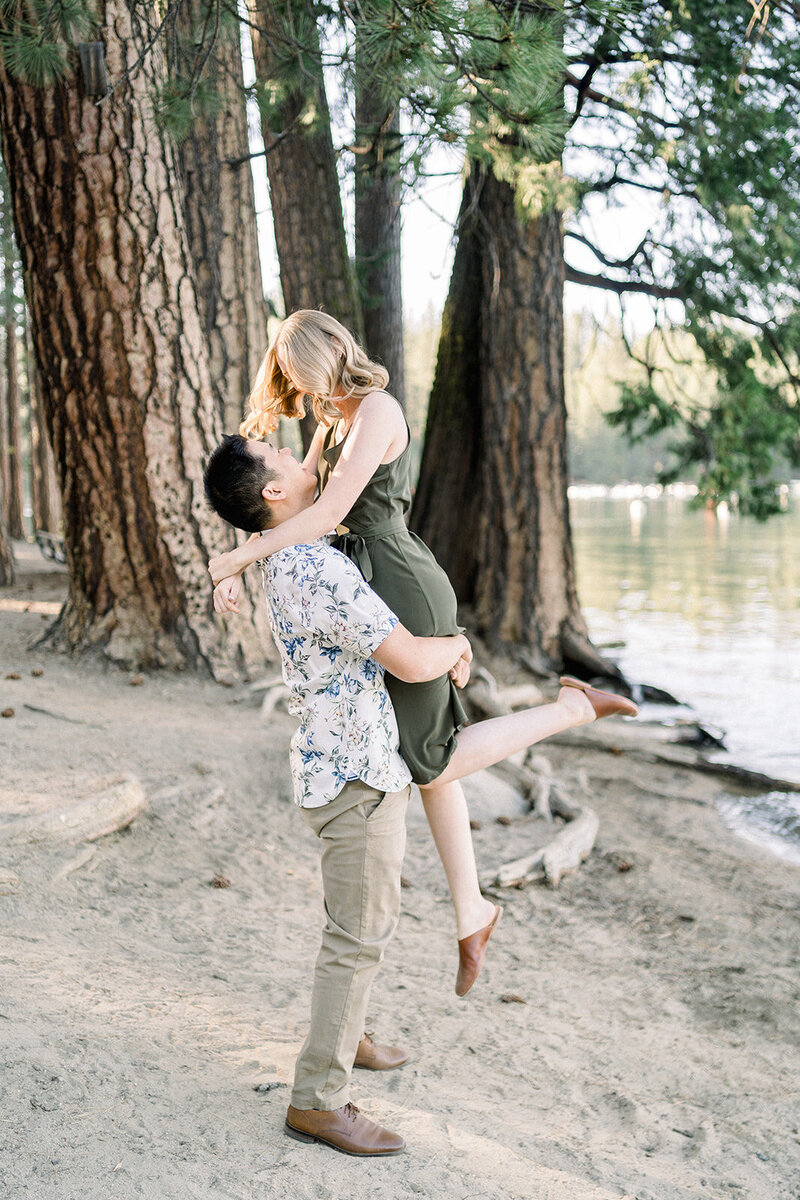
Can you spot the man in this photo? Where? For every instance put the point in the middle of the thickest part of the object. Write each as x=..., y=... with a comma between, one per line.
x=335, y=636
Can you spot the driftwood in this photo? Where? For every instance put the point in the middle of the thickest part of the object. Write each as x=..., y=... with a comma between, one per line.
x=533, y=775
x=109, y=805
x=670, y=745
x=274, y=689
x=560, y=857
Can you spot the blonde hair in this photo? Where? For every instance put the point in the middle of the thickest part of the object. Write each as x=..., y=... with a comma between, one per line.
x=323, y=358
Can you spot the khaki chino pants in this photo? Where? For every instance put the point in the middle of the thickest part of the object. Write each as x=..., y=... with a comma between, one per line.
x=363, y=835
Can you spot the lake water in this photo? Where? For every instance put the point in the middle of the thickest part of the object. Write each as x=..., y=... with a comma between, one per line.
x=708, y=609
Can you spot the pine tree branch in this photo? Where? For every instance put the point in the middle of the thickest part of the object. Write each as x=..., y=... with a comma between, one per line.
x=615, y=180
x=631, y=56
x=276, y=141
x=621, y=263
x=657, y=291
x=617, y=105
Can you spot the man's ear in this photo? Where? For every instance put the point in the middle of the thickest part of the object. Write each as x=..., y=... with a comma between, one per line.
x=274, y=490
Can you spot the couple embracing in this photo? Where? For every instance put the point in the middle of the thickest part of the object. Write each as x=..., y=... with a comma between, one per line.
x=365, y=624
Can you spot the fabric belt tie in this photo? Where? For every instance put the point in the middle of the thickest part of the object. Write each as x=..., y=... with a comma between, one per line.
x=356, y=545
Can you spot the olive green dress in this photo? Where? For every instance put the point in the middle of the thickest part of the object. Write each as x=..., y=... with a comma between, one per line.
x=406, y=576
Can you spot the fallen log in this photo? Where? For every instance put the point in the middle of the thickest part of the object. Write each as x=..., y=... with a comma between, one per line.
x=534, y=777
x=108, y=805
x=563, y=855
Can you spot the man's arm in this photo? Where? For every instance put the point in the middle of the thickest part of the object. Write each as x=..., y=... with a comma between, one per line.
x=420, y=659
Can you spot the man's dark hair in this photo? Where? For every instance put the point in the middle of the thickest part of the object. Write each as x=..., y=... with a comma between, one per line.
x=233, y=481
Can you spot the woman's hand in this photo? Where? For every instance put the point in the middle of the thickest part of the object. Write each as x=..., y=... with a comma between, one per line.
x=233, y=562
x=226, y=594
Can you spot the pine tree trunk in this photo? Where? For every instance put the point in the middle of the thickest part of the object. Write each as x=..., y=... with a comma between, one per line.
x=44, y=485
x=378, y=197
x=503, y=434
x=13, y=398
x=221, y=224
x=122, y=360
x=315, y=266
x=447, y=502
x=7, y=574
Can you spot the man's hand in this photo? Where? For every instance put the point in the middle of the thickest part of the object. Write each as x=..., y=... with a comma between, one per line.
x=460, y=672
x=226, y=593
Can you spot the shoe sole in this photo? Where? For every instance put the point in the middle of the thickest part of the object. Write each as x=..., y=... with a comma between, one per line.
x=308, y=1138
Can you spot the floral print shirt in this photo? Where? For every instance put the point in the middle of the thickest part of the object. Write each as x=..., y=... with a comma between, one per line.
x=326, y=622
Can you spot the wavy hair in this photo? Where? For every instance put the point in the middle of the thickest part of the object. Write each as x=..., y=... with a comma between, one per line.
x=323, y=359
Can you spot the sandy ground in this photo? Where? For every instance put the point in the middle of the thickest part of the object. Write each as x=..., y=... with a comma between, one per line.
x=655, y=1055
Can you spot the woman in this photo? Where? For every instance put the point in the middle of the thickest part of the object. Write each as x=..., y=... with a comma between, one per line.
x=361, y=454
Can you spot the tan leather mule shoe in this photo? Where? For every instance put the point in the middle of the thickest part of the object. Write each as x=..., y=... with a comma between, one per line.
x=471, y=953
x=605, y=704
x=345, y=1129
x=378, y=1058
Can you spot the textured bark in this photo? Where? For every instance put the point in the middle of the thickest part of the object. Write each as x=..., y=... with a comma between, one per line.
x=221, y=224
x=447, y=502
x=44, y=484
x=378, y=198
x=122, y=360
x=7, y=574
x=315, y=266
x=13, y=397
x=505, y=435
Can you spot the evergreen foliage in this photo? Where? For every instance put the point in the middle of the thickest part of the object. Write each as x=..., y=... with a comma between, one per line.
x=696, y=104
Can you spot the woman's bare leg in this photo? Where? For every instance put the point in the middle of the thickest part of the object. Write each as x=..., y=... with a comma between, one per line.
x=480, y=746
x=446, y=809
x=489, y=742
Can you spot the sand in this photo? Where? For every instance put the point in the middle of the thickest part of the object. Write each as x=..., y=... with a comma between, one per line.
x=653, y=1050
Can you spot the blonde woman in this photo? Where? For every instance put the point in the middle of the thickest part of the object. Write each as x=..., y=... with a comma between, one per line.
x=361, y=454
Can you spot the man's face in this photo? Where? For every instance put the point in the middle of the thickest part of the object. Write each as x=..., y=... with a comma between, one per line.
x=290, y=475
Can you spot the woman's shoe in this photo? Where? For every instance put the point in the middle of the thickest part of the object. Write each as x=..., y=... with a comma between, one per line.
x=471, y=953
x=605, y=704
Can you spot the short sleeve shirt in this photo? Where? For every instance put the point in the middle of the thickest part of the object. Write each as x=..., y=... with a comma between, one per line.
x=326, y=622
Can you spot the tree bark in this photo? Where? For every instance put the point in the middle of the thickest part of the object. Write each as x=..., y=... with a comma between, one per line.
x=7, y=573
x=221, y=225
x=378, y=198
x=122, y=359
x=44, y=485
x=447, y=502
x=315, y=266
x=499, y=397
x=13, y=398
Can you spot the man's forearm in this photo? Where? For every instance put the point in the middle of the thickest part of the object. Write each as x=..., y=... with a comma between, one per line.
x=436, y=655
x=419, y=659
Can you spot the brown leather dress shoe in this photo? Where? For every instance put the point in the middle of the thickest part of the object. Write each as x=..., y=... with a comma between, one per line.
x=378, y=1058
x=605, y=704
x=471, y=953
x=345, y=1129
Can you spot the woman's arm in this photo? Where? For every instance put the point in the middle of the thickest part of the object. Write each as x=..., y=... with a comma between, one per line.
x=314, y=450
x=378, y=426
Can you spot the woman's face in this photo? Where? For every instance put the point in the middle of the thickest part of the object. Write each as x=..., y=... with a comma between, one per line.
x=280, y=355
